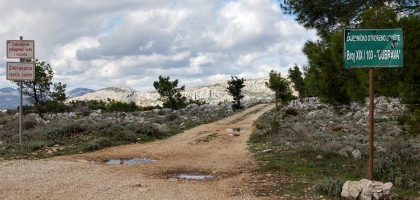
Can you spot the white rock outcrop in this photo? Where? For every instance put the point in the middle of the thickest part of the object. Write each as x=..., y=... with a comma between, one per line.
x=213, y=93
x=365, y=190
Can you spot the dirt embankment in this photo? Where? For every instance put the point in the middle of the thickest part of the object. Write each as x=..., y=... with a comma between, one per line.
x=213, y=149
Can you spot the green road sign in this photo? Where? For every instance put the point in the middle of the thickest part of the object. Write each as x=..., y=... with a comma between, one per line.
x=373, y=48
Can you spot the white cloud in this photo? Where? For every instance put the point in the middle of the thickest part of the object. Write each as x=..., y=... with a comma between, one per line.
x=101, y=43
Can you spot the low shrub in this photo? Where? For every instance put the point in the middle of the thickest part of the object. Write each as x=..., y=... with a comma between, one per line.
x=58, y=131
x=130, y=136
x=11, y=127
x=75, y=128
x=331, y=187
x=4, y=119
x=396, y=165
x=145, y=129
x=291, y=111
x=112, y=131
x=55, y=133
x=237, y=107
x=29, y=123
x=97, y=144
x=171, y=117
x=31, y=146
x=98, y=126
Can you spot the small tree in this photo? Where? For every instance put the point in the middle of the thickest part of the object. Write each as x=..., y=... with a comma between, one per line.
x=170, y=94
x=295, y=75
x=38, y=90
x=59, y=94
x=281, y=88
x=235, y=89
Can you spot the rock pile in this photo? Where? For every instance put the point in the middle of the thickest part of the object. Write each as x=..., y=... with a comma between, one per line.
x=366, y=190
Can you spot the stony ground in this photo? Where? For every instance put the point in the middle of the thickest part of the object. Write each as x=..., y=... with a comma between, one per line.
x=211, y=149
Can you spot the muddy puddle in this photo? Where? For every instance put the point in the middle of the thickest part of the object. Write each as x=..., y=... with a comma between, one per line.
x=199, y=177
x=237, y=129
x=132, y=161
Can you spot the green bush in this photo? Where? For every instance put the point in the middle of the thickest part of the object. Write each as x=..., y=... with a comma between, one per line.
x=291, y=111
x=399, y=165
x=171, y=117
x=74, y=128
x=31, y=146
x=121, y=106
x=26, y=136
x=145, y=129
x=331, y=187
x=61, y=131
x=161, y=112
x=29, y=123
x=112, y=131
x=4, y=119
x=54, y=133
x=97, y=144
x=130, y=136
x=235, y=106
x=275, y=125
x=95, y=105
x=413, y=123
x=99, y=126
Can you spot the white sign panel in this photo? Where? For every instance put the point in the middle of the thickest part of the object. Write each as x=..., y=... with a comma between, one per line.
x=20, y=49
x=20, y=71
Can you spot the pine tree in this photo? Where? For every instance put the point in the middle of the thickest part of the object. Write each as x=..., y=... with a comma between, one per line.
x=281, y=88
x=235, y=89
x=295, y=75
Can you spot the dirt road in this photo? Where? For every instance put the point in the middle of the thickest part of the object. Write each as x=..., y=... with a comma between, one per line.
x=210, y=150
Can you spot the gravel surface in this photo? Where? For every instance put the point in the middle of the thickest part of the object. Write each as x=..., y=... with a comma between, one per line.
x=210, y=149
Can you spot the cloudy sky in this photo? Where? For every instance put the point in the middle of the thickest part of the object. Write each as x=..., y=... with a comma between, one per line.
x=101, y=43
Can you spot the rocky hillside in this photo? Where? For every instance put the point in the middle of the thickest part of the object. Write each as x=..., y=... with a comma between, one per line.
x=79, y=92
x=212, y=93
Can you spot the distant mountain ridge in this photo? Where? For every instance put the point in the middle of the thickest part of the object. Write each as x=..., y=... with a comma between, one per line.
x=10, y=98
x=212, y=93
x=79, y=92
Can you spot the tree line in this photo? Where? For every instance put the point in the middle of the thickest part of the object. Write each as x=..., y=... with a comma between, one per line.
x=326, y=78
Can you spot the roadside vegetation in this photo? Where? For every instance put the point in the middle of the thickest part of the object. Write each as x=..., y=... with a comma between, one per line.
x=307, y=150
x=90, y=126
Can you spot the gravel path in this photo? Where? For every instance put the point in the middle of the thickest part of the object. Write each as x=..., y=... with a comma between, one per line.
x=210, y=149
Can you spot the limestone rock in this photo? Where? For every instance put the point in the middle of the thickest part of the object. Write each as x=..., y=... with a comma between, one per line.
x=347, y=149
x=267, y=151
x=357, y=154
x=352, y=189
x=343, y=153
x=94, y=115
x=366, y=190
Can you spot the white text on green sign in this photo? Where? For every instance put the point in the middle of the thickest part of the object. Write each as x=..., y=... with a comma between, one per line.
x=373, y=48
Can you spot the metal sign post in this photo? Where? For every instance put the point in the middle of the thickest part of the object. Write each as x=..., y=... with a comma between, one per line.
x=371, y=48
x=371, y=121
x=20, y=71
x=20, y=106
